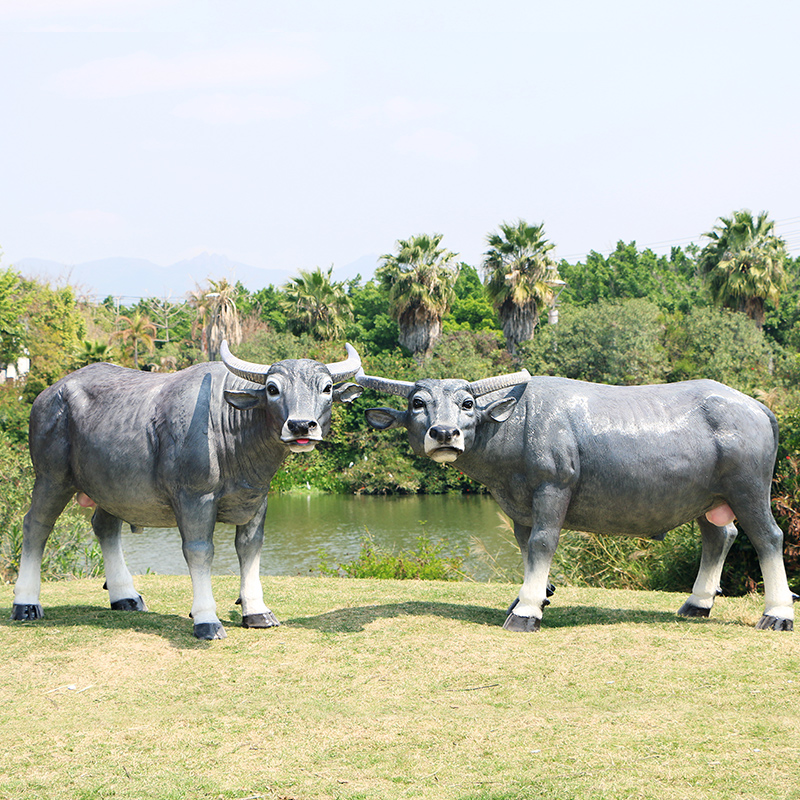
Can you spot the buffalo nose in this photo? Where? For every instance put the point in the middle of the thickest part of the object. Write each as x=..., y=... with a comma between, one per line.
x=440, y=433
x=301, y=425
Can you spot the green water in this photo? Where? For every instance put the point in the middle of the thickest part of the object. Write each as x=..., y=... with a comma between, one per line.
x=299, y=526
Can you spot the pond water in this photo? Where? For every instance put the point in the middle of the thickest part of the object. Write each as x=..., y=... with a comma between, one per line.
x=299, y=526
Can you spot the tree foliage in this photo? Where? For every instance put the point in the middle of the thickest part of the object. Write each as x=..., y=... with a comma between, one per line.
x=316, y=304
x=744, y=263
x=13, y=304
x=616, y=342
x=471, y=309
x=520, y=275
x=721, y=345
x=55, y=330
x=91, y=351
x=669, y=282
x=138, y=332
x=419, y=279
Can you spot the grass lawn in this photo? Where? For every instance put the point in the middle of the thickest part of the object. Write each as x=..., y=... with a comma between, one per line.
x=387, y=689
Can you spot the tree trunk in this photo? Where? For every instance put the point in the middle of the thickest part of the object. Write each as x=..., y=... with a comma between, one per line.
x=754, y=308
x=420, y=337
x=518, y=323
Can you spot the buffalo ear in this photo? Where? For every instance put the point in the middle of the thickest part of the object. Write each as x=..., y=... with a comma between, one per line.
x=500, y=410
x=245, y=399
x=385, y=418
x=347, y=392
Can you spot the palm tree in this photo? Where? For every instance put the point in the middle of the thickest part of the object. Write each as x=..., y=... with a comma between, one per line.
x=91, y=351
x=140, y=331
x=316, y=303
x=217, y=315
x=744, y=263
x=520, y=274
x=420, y=280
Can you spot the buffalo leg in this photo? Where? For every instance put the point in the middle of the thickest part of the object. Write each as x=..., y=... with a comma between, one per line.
x=757, y=522
x=249, y=540
x=717, y=542
x=196, y=524
x=47, y=503
x=538, y=544
x=119, y=582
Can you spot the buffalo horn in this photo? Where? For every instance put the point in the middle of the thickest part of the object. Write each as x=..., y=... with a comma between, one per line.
x=345, y=369
x=487, y=385
x=400, y=388
x=257, y=373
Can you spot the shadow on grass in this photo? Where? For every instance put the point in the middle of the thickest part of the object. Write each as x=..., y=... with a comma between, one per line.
x=351, y=620
x=176, y=629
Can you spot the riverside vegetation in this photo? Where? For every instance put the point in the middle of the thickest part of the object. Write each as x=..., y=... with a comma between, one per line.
x=730, y=312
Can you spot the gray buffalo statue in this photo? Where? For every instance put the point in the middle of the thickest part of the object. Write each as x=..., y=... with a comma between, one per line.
x=188, y=449
x=639, y=461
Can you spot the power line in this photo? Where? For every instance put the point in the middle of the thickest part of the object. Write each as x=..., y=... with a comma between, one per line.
x=791, y=237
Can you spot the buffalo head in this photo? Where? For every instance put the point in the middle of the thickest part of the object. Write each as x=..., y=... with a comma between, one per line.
x=442, y=415
x=297, y=394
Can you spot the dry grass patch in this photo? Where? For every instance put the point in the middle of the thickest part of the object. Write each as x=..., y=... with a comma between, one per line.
x=384, y=689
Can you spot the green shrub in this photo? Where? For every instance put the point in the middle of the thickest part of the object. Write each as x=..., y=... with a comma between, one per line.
x=722, y=345
x=70, y=550
x=427, y=563
x=610, y=342
x=622, y=562
x=14, y=414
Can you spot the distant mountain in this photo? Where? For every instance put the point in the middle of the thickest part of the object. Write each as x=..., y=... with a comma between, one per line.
x=131, y=278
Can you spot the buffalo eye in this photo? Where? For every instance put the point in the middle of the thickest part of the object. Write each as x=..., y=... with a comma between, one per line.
x=273, y=390
x=328, y=389
x=468, y=404
x=417, y=404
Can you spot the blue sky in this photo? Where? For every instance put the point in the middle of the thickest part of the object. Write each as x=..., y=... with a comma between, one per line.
x=304, y=134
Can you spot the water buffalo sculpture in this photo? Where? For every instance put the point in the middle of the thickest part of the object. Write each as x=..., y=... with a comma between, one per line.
x=636, y=461
x=187, y=449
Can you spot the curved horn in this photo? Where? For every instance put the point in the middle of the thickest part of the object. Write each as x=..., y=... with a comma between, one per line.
x=486, y=385
x=400, y=388
x=257, y=373
x=345, y=369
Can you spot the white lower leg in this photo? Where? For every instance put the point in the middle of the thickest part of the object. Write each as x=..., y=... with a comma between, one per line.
x=705, y=590
x=777, y=595
x=28, y=587
x=119, y=580
x=251, y=592
x=204, y=609
x=533, y=594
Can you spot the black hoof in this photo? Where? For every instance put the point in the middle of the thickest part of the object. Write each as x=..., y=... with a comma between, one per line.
x=129, y=604
x=266, y=620
x=768, y=623
x=522, y=624
x=210, y=630
x=25, y=613
x=550, y=590
x=691, y=610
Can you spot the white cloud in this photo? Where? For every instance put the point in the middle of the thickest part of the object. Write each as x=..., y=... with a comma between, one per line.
x=73, y=16
x=238, y=109
x=394, y=111
x=436, y=144
x=145, y=73
x=36, y=9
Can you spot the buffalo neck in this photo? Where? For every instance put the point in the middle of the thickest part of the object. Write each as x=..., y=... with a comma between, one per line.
x=252, y=446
